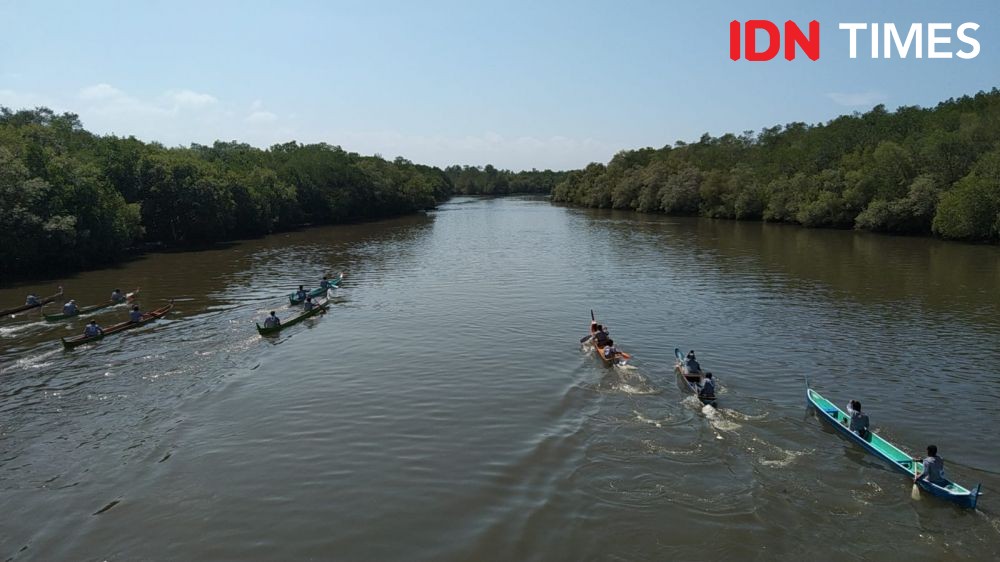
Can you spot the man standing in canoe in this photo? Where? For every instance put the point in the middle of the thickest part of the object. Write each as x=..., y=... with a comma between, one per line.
x=933, y=468
x=93, y=329
x=135, y=315
x=272, y=321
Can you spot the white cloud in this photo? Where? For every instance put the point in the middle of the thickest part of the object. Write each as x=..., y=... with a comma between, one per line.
x=260, y=117
x=100, y=92
x=856, y=99
x=188, y=98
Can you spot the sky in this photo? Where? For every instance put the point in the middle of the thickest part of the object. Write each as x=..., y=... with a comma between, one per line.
x=520, y=85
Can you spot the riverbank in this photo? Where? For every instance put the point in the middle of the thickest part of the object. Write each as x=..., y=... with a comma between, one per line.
x=932, y=171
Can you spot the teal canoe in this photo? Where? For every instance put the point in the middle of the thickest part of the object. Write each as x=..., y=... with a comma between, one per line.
x=894, y=456
x=318, y=291
x=318, y=309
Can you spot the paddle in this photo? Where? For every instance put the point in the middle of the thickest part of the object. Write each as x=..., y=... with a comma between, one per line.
x=587, y=337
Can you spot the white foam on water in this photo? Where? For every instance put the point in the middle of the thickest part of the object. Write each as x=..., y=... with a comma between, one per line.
x=643, y=419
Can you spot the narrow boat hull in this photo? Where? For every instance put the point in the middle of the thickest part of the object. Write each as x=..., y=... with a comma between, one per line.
x=691, y=382
x=889, y=453
x=90, y=309
x=319, y=291
x=70, y=343
x=270, y=331
x=25, y=307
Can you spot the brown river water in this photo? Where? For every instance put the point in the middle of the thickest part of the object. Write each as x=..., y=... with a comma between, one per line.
x=444, y=409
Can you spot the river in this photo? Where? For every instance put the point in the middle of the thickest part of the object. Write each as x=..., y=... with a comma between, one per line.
x=444, y=410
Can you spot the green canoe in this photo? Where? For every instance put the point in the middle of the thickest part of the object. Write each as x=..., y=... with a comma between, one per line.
x=319, y=291
x=319, y=308
x=89, y=309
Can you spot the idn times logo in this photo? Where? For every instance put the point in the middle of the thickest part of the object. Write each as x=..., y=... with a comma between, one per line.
x=761, y=40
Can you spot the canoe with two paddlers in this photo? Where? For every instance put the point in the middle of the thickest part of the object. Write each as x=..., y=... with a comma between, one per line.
x=36, y=304
x=146, y=318
x=599, y=343
x=88, y=309
x=318, y=291
x=894, y=456
x=319, y=308
x=691, y=377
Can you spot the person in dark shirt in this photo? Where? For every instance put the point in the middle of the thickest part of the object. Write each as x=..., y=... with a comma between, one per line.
x=707, y=390
x=859, y=421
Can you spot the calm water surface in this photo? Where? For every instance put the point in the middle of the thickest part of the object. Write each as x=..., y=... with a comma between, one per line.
x=443, y=409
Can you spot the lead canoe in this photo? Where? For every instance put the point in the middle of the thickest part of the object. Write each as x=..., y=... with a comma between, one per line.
x=318, y=291
x=318, y=309
x=75, y=341
x=691, y=381
x=89, y=309
x=620, y=358
x=24, y=307
x=894, y=456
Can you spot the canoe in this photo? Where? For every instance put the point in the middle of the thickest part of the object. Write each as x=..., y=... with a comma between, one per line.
x=320, y=307
x=24, y=307
x=318, y=291
x=691, y=382
x=89, y=309
x=895, y=457
x=74, y=341
x=620, y=358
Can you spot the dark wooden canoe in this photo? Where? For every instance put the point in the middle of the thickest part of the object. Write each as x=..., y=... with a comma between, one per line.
x=620, y=358
x=41, y=302
x=319, y=308
x=74, y=341
x=89, y=309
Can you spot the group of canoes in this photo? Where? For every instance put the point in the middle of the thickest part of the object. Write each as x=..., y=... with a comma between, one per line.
x=310, y=302
x=927, y=473
x=311, y=305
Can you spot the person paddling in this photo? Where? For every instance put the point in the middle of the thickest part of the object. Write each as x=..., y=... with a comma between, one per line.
x=692, y=363
x=600, y=335
x=272, y=321
x=707, y=390
x=92, y=329
x=135, y=315
x=325, y=284
x=301, y=294
x=117, y=296
x=859, y=421
x=933, y=468
x=32, y=300
x=70, y=308
x=308, y=304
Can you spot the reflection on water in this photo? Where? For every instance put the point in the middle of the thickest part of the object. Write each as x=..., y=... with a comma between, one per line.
x=443, y=408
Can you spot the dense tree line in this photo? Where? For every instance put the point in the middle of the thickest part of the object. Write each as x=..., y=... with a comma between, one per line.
x=914, y=170
x=487, y=180
x=73, y=199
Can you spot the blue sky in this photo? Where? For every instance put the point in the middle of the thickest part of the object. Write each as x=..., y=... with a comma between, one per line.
x=515, y=84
